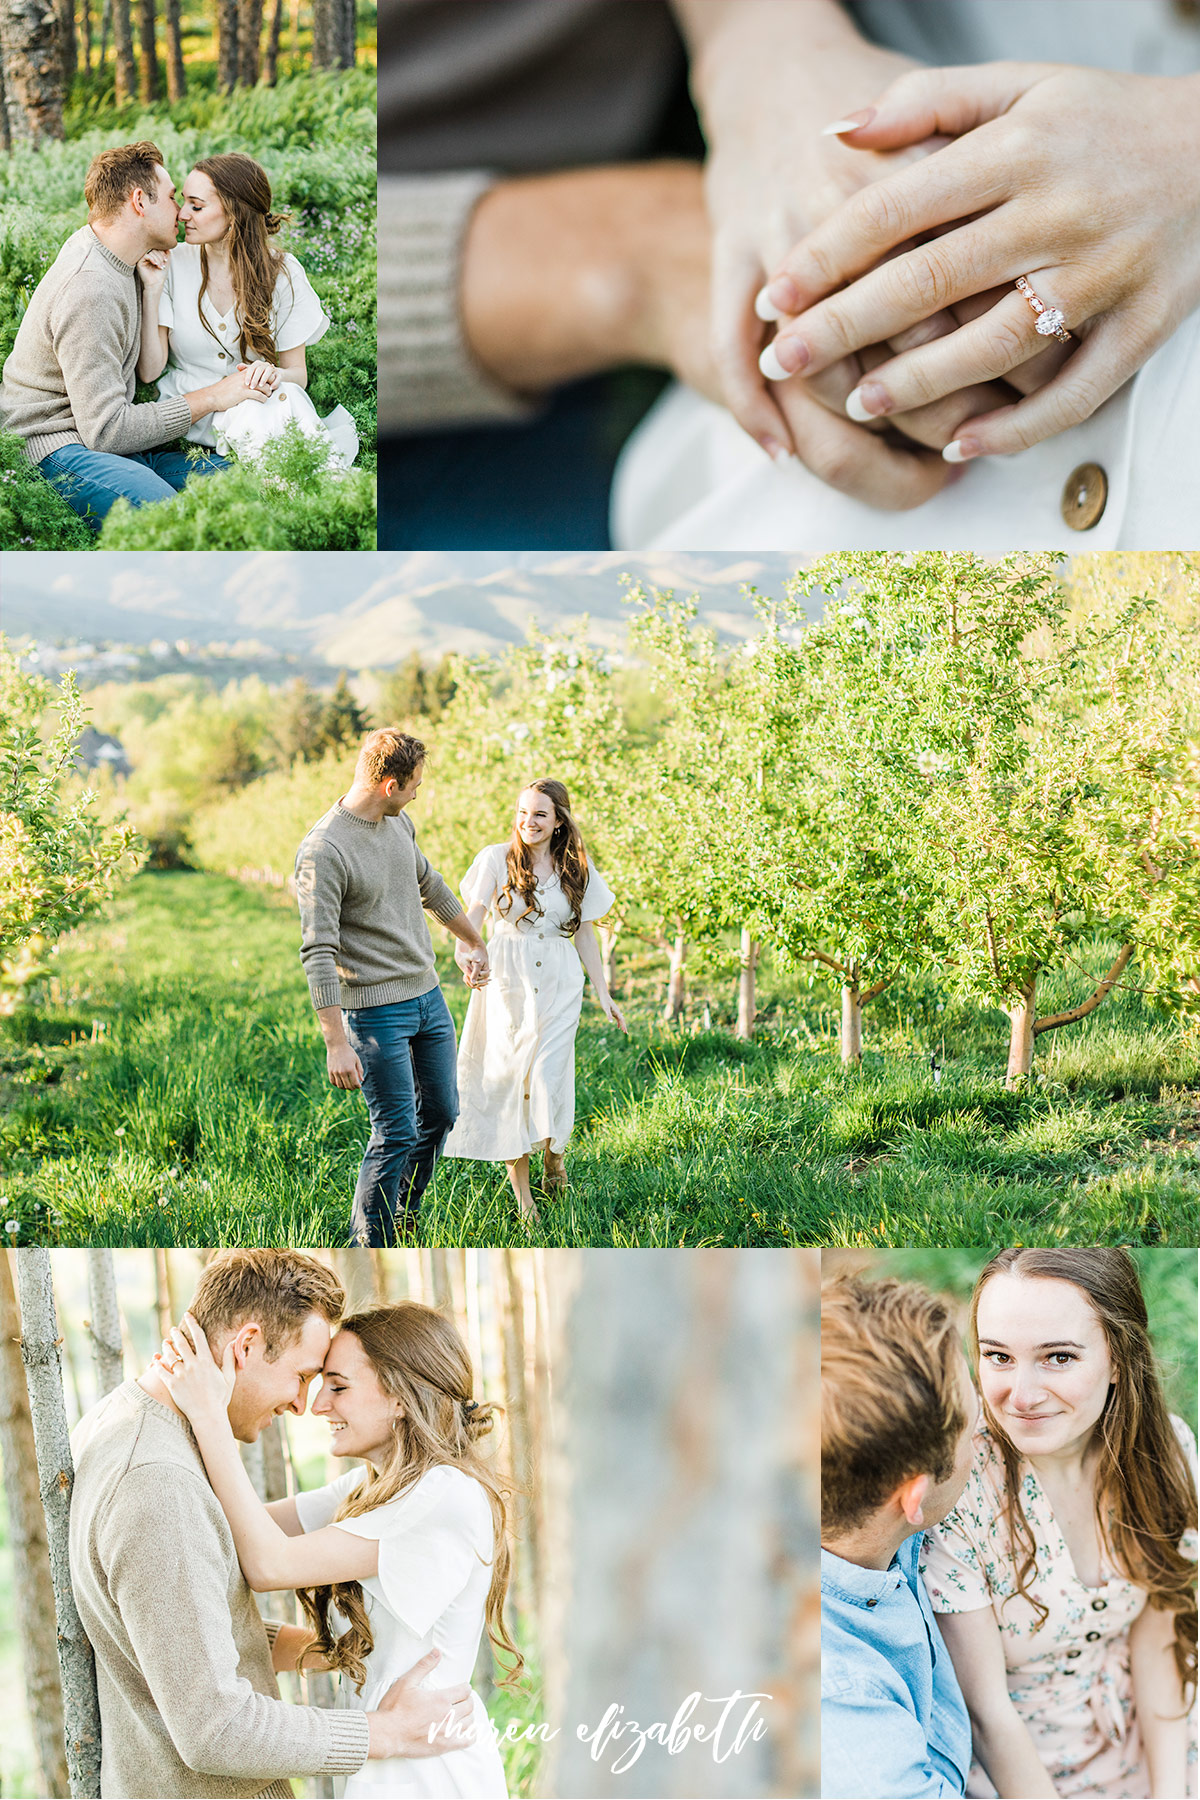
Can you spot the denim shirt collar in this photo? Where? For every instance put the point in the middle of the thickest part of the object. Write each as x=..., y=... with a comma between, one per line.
x=859, y=1586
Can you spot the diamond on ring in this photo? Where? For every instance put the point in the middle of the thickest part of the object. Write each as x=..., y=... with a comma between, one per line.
x=1048, y=320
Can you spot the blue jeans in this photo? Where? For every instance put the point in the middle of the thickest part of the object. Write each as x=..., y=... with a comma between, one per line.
x=90, y=480
x=410, y=1079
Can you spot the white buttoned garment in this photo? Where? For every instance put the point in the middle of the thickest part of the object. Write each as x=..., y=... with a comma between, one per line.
x=516, y=1060
x=198, y=359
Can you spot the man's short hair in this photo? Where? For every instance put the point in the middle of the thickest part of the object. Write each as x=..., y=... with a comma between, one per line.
x=390, y=753
x=276, y=1289
x=891, y=1394
x=113, y=175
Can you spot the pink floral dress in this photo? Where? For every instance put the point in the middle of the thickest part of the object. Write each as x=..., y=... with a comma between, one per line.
x=1070, y=1680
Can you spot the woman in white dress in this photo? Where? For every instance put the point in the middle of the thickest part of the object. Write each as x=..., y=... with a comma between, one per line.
x=516, y=1060
x=226, y=298
x=406, y=1556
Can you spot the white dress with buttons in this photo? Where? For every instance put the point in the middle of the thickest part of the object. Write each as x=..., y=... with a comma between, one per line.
x=516, y=1061
x=1126, y=479
x=436, y=1544
x=197, y=359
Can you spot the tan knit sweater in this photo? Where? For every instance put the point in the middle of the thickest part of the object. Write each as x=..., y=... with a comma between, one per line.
x=70, y=378
x=189, y=1706
x=363, y=886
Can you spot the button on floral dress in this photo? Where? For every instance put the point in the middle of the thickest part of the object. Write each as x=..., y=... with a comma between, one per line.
x=1070, y=1680
x=516, y=1060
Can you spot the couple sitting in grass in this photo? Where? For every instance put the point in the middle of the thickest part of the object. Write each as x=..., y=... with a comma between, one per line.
x=1008, y=1578
x=221, y=322
x=364, y=888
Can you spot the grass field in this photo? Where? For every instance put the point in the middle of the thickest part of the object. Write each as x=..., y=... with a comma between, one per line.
x=170, y=1088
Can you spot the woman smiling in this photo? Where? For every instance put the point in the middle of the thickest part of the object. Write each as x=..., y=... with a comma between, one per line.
x=1065, y=1577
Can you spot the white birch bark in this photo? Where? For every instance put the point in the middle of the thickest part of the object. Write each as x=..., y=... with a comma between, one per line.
x=56, y=1475
x=104, y=1326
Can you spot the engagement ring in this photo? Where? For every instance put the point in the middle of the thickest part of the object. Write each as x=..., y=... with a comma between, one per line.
x=1049, y=322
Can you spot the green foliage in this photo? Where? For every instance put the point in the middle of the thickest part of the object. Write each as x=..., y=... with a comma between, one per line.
x=315, y=136
x=33, y=515
x=58, y=863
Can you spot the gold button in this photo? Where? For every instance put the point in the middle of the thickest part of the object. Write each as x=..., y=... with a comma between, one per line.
x=220, y=356
x=1085, y=496
x=221, y=325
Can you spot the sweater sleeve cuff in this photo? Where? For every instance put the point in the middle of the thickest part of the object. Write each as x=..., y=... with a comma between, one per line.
x=349, y=1740
x=325, y=993
x=444, y=904
x=427, y=376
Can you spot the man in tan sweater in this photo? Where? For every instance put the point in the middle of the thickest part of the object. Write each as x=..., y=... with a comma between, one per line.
x=364, y=888
x=189, y=1705
x=69, y=381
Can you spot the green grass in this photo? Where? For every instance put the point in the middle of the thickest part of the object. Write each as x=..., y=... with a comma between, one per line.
x=170, y=1088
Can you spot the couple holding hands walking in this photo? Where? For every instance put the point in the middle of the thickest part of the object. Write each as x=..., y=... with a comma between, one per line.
x=364, y=887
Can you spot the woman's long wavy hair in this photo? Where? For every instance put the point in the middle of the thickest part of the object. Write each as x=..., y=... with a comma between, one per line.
x=1145, y=1495
x=422, y=1362
x=254, y=262
x=566, y=853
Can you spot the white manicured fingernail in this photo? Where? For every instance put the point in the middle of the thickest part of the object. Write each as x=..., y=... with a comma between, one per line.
x=764, y=307
x=841, y=125
x=771, y=366
x=954, y=453
x=855, y=408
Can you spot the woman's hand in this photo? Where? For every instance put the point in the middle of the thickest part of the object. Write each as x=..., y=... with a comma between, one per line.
x=1086, y=182
x=263, y=376
x=200, y=1388
x=613, y=1013
x=152, y=272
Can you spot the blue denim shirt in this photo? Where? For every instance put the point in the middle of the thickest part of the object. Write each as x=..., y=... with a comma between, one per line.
x=893, y=1721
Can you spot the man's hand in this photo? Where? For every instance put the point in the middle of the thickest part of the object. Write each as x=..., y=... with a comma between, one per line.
x=342, y=1063
x=416, y=1721
x=231, y=390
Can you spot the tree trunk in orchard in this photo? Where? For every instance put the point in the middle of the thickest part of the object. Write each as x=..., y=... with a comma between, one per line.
x=68, y=49
x=104, y=1326
x=676, y=979
x=271, y=58
x=747, y=1005
x=148, y=79
x=56, y=1476
x=851, y=1036
x=176, y=75
x=125, y=75
x=227, y=45
x=250, y=14
x=33, y=75
x=661, y=1597
x=1021, y=1018
x=33, y=1592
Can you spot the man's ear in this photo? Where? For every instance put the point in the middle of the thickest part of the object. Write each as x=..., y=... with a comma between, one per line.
x=391, y=788
x=246, y=1338
x=911, y=1496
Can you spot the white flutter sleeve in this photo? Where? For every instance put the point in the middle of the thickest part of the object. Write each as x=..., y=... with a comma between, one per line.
x=299, y=317
x=431, y=1540
x=598, y=897
x=315, y=1507
x=484, y=878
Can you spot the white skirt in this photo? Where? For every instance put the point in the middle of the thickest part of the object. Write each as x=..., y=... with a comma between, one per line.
x=690, y=479
x=246, y=429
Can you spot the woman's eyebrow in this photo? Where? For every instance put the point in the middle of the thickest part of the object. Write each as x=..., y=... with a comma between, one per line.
x=1058, y=1344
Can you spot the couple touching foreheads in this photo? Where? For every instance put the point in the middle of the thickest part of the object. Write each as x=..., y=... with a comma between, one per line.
x=220, y=321
x=1008, y=1575
x=399, y=1566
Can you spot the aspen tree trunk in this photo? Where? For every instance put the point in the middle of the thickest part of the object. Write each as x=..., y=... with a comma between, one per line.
x=851, y=1035
x=520, y=1439
x=271, y=56
x=676, y=978
x=345, y=47
x=250, y=14
x=85, y=20
x=148, y=79
x=166, y=1301
x=320, y=34
x=33, y=1592
x=125, y=74
x=227, y=45
x=1021, y=1019
x=105, y=28
x=747, y=1003
x=439, y=1281
x=104, y=1326
x=33, y=75
x=56, y=1475
x=68, y=49
x=691, y=1552
x=176, y=75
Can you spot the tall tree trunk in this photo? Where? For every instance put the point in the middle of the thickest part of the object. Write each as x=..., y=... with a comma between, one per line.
x=104, y=1326
x=166, y=1300
x=5, y=133
x=250, y=14
x=176, y=75
x=56, y=1476
x=747, y=1004
x=271, y=60
x=344, y=51
x=68, y=49
x=661, y=1598
x=106, y=19
x=148, y=82
x=125, y=74
x=227, y=45
x=33, y=76
x=85, y=20
x=321, y=51
x=520, y=1437
x=676, y=978
x=1021, y=1018
x=851, y=1038
x=33, y=1592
